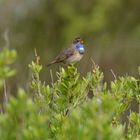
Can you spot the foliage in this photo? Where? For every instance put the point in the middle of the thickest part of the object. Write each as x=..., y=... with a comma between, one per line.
x=93, y=120
x=7, y=57
x=110, y=29
x=73, y=107
x=22, y=121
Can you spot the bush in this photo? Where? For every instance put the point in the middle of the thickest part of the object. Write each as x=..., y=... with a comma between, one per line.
x=73, y=107
x=7, y=57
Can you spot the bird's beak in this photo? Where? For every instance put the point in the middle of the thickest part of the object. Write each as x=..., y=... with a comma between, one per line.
x=82, y=42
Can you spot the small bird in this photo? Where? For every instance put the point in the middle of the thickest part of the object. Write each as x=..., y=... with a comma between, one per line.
x=72, y=54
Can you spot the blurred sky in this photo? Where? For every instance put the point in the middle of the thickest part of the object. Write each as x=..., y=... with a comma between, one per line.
x=110, y=30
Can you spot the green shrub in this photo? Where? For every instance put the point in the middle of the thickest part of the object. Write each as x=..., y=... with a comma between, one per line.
x=7, y=57
x=73, y=107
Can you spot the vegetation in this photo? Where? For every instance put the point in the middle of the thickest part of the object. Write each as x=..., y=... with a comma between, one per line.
x=72, y=107
x=110, y=30
x=69, y=102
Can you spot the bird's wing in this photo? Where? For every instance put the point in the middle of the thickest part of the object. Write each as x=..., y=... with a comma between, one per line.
x=65, y=54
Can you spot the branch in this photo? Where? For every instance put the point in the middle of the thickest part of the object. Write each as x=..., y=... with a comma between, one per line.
x=5, y=94
x=113, y=74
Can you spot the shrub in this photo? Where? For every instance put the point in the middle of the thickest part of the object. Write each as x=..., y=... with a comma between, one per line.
x=73, y=107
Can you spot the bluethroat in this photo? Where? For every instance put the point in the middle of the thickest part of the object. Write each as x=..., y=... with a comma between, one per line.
x=72, y=54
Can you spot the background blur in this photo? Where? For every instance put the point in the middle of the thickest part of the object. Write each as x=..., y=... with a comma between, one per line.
x=110, y=30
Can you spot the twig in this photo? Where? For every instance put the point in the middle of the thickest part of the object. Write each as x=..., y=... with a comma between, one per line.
x=113, y=74
x=5, y=94
x=6, y=38
x=51, y=100
x=37, y=75
x=52, y=96
x=38, y=85
x=93, y=62
x=51, y=77
x=36, y=56
x=139, y=108
x=7, y=45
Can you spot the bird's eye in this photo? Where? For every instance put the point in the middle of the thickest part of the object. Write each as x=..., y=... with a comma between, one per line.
x=78, y=40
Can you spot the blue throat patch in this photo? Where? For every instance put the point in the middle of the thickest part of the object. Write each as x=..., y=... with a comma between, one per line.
x=80, y=48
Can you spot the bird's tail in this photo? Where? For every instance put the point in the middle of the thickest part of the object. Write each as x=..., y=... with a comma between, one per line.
x=51, y=63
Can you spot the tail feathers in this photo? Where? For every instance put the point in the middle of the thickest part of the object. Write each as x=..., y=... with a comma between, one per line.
x=51, y=63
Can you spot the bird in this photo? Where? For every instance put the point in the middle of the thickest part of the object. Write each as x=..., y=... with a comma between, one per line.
x=72, y=54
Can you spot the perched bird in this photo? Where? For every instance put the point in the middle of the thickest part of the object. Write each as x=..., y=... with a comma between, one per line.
x=72, y=54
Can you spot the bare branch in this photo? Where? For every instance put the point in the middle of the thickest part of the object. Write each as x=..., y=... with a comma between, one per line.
x=51, y=100
x=6, y=38
x=51, y=77
x=5, y=101
x=139, y=108
x=36, y=56
x=113, y=74
x=93, y=62
x=52, y=96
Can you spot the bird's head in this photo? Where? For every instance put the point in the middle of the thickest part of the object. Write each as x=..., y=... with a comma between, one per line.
x=78, y=42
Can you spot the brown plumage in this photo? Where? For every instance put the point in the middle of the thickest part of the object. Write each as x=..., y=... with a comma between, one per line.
x=68, y=55
x=62, y=57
